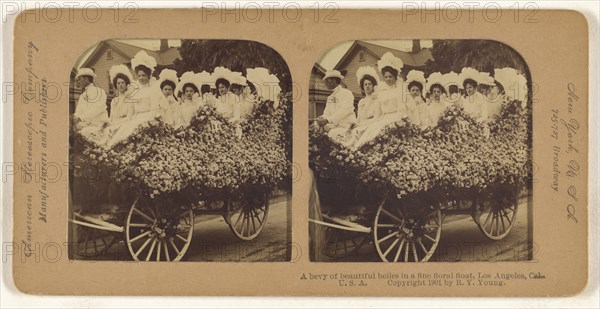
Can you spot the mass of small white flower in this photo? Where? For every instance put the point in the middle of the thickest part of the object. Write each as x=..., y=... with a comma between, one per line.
x=201, y=160
x=454, y=157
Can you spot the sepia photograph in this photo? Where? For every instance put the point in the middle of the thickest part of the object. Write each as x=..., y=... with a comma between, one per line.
x=420, y=151
x=180, y=150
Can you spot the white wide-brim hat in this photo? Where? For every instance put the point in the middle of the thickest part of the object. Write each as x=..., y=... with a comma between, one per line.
x=222, y=73
x=206, y=78
x=366, y=71
x=119, y=69
x=469, y=73
x=435, y=78
x=188, y=78
x=333, y=73
x=238, y=79
x=415, y=76
x=143, y=59
x=389, y=60
x=85, y=72
x=170, y=75
x=451, y=79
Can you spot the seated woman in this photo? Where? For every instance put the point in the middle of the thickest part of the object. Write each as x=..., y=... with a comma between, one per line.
x=190, y=100
x=452, y=86
x=437, y=102
x=369, y=110
x=509, y=85
x=415, y=81
x=146, y=98
x=206, y=81
x=119, y=106
x=473, y=103
x=242, y=98
x=168, y=82
x=225, y=102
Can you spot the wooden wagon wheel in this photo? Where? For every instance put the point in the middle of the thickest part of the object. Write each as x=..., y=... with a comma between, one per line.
x=341, y=243
x=497, y=216
x=158, y=232
x=404, y=233
x=248, y=216
x=91, y=242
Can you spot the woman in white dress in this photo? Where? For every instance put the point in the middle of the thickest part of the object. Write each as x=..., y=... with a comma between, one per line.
x=392, y=107
x=168, y=82
x=452, y=85
x=207, y=84
x=437, y=102
x=119, y=106
x=415, y=82
x=225, y=100
x=146, y=98
x=238, y=88
x=369, y=110
x=473, y=103
x=190, y=101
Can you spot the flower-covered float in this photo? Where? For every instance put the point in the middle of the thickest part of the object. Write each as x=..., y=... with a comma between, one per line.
x=406, y=180
x=150, y=185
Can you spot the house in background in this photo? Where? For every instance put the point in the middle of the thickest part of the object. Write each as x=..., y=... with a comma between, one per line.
x=110, y=52
x=361, y=54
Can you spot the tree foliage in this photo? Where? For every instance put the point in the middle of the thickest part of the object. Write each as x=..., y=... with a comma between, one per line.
x=482, y=55
x=236, y=55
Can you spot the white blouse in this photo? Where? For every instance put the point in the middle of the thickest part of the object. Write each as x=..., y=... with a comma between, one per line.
x=435, y=110
x=368, y=110
x=475, y=106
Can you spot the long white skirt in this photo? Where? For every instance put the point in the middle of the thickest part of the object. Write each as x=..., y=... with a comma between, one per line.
x=375, y=128
x=123, y=130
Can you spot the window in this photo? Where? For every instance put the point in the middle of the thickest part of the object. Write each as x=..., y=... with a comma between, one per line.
x=109, y=54
x=361, y=56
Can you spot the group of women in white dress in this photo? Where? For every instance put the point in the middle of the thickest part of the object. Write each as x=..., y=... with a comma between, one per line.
x=423, y=101
x=176, y=100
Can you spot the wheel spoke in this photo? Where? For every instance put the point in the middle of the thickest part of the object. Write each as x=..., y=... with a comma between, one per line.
x=158, y=251
x=166, y=251
x=388, y=236
x=140, y=224
x=182, y=238
x=151, y=211
x=391, y=215
x=391, y=247
x=422, y=246
x=387, y=225
x=238, y=221
x=174, y=247
x=406, y=252
x=503, y=225
x=247, y=218
x=399, y=249
x=143, y=246
x=140, y=236
x=429, y=237
x=151, y=249
x=143, y=214
x=253, y=222
x=257, y=217
x=489, y=214
x=414, y=251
